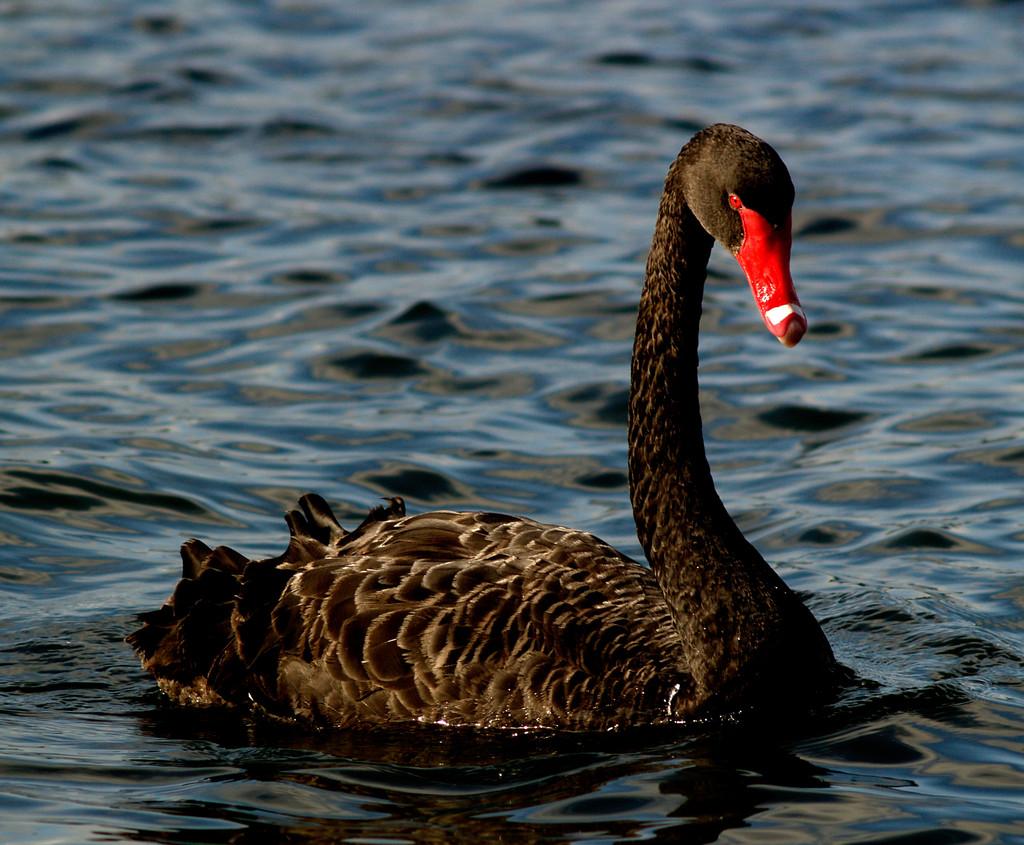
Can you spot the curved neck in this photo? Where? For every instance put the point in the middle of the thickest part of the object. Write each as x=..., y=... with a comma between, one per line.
x=679, y=516
x=718, y=588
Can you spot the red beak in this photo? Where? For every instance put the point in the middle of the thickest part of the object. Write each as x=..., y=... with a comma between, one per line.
x=764, y=257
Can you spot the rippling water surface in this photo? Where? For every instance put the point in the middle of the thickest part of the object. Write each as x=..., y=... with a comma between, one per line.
x=249, y=250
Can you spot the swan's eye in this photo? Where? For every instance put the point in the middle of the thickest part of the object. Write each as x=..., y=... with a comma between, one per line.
x=735, y=201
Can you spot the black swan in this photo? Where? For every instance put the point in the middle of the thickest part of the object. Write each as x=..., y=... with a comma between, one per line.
x=499, y=621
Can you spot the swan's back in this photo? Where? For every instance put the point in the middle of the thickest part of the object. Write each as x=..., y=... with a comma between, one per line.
x=447, y=617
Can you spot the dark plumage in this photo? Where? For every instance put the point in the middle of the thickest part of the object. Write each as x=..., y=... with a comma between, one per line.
x=493, y=620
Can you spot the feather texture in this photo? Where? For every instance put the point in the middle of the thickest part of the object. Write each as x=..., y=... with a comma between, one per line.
x=448, y=617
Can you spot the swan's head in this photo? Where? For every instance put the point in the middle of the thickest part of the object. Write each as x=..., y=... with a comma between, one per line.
x=740, y=191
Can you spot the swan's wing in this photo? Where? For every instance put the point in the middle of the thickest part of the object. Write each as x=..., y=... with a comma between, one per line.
x=471, y=618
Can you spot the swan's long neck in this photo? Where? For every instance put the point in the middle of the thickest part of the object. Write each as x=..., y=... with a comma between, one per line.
x=722, y=594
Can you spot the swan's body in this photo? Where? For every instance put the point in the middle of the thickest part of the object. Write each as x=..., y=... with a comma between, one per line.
x=485, y=619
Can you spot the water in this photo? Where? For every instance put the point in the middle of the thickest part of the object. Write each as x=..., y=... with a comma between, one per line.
x=249, y=250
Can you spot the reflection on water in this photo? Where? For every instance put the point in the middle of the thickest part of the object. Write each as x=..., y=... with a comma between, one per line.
x=253, y=251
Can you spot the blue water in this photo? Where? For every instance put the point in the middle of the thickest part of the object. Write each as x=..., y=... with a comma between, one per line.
x=250, y=250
